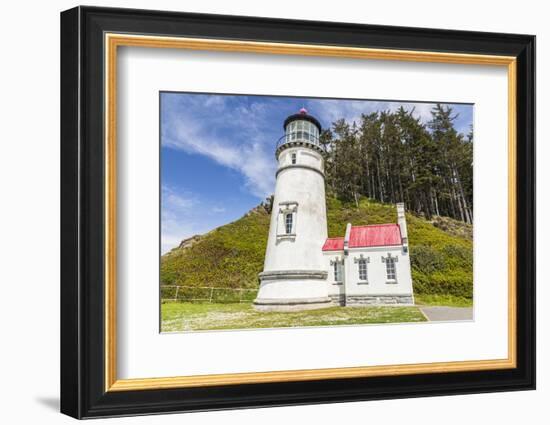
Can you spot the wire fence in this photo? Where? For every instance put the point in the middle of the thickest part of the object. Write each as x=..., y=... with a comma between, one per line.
x=206, y=294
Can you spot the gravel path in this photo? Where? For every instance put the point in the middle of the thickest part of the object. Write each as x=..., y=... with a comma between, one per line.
x=443, y=314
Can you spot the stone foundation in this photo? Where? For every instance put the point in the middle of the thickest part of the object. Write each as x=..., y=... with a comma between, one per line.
x=362, y=300
x=337, y=299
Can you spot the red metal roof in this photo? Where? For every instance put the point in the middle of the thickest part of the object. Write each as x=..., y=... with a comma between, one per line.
x=365, y=236
x=375, y=235
x=334, y=244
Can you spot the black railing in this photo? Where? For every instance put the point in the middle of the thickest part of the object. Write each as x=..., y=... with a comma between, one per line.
x=299, y=137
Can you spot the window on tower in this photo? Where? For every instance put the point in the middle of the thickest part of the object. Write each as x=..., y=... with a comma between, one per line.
x=293, y=158
x=288, y=223
x=286, y=220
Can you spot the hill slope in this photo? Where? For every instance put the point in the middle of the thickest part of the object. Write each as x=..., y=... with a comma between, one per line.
x=232, y=255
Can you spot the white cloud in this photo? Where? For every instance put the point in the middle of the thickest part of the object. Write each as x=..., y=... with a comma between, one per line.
x=328, y=111
x=185, y=214
x=176, y=213
x=173, y=231
x=173, y=200
x=245, y=153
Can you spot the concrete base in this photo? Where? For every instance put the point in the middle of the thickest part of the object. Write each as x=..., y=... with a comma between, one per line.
x=288, y=305
x=292, y=290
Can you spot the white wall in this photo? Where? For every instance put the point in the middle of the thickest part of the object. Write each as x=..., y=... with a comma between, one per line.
x=29, y=218
x=376, y=272
x=306, y=188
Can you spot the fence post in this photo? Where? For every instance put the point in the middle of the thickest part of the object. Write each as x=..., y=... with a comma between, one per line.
x=176, y=296
x=211, y=294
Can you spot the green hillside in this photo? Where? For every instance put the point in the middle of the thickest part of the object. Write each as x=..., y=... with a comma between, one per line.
x=231, y=256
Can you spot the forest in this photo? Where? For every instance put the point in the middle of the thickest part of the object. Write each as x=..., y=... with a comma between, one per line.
x=394, y=157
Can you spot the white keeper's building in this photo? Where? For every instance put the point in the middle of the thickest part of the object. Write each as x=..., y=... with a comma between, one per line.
x=303, y=268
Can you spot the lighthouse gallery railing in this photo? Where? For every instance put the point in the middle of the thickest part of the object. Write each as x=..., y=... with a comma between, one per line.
x=299, y=137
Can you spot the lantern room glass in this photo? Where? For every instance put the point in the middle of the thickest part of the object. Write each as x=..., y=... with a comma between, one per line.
x=302, y=130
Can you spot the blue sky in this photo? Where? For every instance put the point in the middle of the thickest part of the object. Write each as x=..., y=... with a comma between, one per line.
x=217, y=152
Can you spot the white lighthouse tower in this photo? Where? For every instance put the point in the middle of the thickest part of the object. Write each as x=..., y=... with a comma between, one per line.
x=294, y=275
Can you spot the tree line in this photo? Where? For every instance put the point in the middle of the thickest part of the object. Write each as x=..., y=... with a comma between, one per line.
x=394, y=157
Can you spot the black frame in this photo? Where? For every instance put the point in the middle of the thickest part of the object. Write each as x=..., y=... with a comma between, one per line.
x=82, y=203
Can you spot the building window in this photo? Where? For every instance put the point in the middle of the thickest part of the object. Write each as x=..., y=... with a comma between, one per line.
x=288, y=223
x=362, y=265
x=390, y=268
x=286, y=220
x=293, y=158
x=337, y=271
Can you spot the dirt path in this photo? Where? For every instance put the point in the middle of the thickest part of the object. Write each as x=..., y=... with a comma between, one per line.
x=444, y=314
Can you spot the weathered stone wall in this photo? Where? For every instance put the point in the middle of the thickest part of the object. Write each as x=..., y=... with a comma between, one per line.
x=374, y=300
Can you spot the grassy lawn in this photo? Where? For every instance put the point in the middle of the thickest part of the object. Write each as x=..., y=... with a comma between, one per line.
x=443, y=300
x=177, y=317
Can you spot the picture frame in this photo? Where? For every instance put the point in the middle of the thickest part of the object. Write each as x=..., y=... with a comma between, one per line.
x=90, y=39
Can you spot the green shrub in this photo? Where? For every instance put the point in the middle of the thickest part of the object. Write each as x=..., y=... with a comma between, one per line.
x=458, y=257
x=457, y=283
x=426, y=259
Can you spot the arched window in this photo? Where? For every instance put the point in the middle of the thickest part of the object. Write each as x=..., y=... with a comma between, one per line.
x=288, y=223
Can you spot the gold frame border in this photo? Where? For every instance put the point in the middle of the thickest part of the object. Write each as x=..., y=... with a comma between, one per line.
x=113, y=41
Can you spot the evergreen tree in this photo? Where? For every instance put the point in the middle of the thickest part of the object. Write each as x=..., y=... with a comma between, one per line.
x=393, y=157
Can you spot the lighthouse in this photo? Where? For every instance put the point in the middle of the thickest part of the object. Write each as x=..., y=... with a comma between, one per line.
x=295, y=275
x=303, y=269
